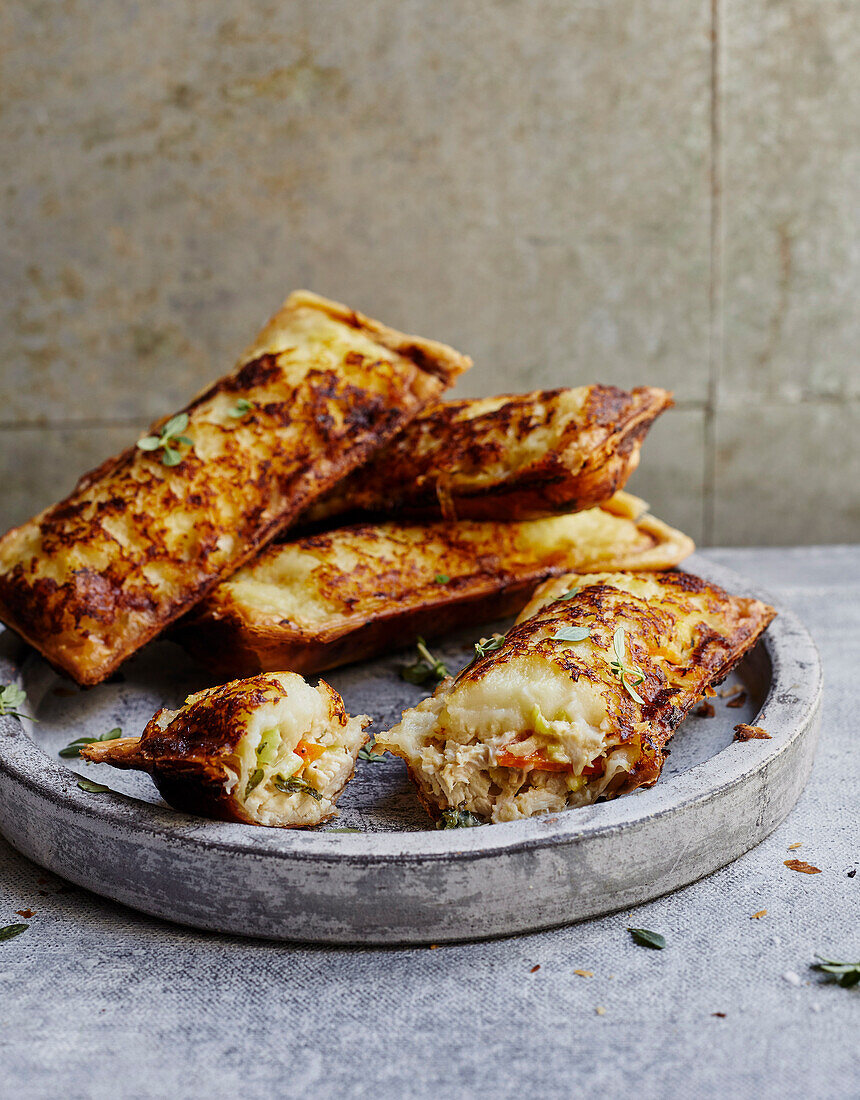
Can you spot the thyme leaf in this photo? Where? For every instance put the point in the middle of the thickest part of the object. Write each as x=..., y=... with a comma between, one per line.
x=441, y=578
x=293, y=785
x=11, y=698
x=241, y=408
x=568, y=595
x=845, y=974
x=629, y=675
x=572, y=634
x=458, y=819
x=644, y=938
x=11, y=930
x=92, y=788
x=428, y=668
x=74, y=747
x=170, y=433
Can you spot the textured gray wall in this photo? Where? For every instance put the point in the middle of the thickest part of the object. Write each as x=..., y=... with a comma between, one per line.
x=642, y=191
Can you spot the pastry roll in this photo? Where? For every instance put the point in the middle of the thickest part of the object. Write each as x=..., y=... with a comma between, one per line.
x=578, y=700
x=512, y=457
x=346, y=595
x=147, y=534
x=271, y=750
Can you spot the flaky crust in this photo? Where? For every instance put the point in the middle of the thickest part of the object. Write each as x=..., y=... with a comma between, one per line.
x=681, y=636
x=137, y=543
x=513, y=457
x=187, y=751
x=350, y=594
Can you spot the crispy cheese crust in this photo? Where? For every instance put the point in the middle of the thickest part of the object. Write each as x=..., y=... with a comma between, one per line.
x=542, y=723
x=349, y=594
x=512, y=457
x=138, y=542
x=270, y=750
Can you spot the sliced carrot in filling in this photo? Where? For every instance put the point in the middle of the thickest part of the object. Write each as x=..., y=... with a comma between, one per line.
x=509, y=758
x=309, y=751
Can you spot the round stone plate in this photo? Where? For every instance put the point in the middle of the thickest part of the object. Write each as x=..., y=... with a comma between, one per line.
x=380, y=873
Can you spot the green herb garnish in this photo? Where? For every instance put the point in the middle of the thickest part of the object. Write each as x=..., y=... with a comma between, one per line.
x=88, y=785
x=629, y=676
x=294, y=785
x=648, y=939
x=11, y=698
x=366, y=753
x=342, y=830
x=428, y=668
x=458, y=819
x=254, y=781
x=441, y=578
x=568, y=595
x=572, y=634
x=241, y=408
x=170, y=433
x=74, y=747
x=489, y=645
x=845, y=974
x=12, y=930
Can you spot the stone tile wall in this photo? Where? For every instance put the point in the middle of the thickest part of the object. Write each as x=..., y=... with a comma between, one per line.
x=648, y=191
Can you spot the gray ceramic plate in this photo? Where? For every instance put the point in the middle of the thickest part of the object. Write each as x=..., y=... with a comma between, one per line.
x=397, y=880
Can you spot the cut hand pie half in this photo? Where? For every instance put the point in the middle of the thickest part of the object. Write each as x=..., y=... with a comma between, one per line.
x=270, y=750
x=578, y=700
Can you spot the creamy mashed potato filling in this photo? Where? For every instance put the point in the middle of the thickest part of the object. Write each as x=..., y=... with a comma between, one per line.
x=579, y=698
x=522, y=740
x=293, y=761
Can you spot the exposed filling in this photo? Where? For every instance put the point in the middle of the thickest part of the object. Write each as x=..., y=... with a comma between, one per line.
x=295, y=758
x=522, y=740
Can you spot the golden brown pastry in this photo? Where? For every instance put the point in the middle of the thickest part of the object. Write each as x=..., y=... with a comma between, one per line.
x=513, y=457
x=578, y=700
x=271, y=750
x=346, y=595
x=147, y=534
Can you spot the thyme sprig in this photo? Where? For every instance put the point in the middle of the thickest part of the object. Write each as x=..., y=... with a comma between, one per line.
x=293, y=785
x=482, y=648
x=428, y=668
x=458, y=819
x=74, y=747
x=489, y=645
x=171, y=433
x=11, y=698
x=629, y=675
x=366, y=753
x=845, y=974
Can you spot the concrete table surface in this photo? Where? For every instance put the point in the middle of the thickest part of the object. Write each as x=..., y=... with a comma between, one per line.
x=97, y=1001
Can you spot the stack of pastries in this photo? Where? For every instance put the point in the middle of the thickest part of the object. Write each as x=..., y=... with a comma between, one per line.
x=322, y=504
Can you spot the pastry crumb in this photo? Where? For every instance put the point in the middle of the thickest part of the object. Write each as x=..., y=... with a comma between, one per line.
x=743, y=732
x=799, y=865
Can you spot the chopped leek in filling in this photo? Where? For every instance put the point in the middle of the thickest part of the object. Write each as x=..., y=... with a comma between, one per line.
x=294, y=757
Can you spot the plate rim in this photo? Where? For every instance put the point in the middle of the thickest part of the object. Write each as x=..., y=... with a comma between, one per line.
x=790, y=708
